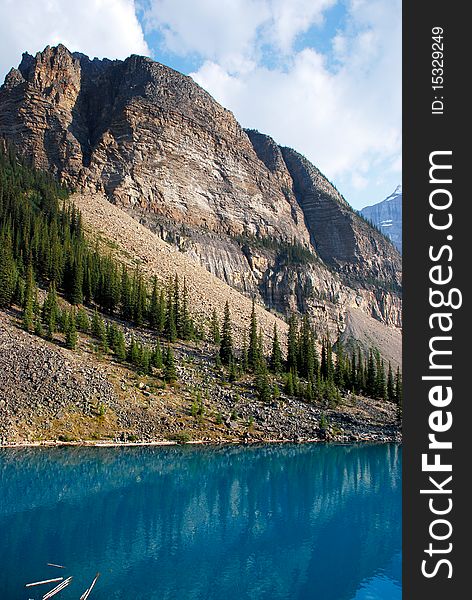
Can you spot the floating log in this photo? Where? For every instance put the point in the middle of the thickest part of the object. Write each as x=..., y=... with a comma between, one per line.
x=88, y=591
x=55, y=580
x=57, y=589
x=57, y=566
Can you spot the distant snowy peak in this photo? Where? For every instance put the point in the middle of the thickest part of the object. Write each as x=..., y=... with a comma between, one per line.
x=387, y=216
x=396, y=193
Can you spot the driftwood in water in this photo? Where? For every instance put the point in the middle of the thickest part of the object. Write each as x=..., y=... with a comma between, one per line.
x=55, y=580
x=57, y=589
x=88, y=591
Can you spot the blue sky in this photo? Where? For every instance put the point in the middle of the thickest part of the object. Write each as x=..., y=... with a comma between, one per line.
x=321, y=76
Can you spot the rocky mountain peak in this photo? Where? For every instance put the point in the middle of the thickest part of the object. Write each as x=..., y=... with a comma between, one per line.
x=387, y=216
x=260, y=217
x=54, y=71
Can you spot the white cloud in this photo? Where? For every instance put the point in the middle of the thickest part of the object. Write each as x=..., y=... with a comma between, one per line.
x=102, y=28
x=359, y=182
x=290, y=19
x=231, y=32
x=219, y=30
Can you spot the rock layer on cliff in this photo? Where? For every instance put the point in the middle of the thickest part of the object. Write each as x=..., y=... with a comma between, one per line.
x=259, y=217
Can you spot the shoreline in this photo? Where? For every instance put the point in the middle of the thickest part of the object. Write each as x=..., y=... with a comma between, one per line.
x=239, y=442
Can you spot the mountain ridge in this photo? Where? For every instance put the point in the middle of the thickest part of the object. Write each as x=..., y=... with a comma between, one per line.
x=181, y=229
x=164, y=151
x=387, y=216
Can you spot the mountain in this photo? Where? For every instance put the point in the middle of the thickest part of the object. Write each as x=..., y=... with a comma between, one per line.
x=387, y=216
x=158, y=146
x=168, y=181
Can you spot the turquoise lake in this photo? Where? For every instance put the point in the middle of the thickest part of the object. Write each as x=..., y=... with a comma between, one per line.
x=299, y=522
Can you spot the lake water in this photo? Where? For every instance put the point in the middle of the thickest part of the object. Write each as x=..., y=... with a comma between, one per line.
x=299, y=522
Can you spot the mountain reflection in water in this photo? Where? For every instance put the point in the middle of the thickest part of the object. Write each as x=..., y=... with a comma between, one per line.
x=269, y=522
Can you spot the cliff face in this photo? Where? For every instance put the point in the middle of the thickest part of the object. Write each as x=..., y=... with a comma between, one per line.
x=387, y=216
x=258, y=216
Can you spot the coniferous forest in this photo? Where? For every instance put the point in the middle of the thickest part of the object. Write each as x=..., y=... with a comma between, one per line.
x=85, y=290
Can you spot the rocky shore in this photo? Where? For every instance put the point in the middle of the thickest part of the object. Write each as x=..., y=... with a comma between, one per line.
x=51, y=395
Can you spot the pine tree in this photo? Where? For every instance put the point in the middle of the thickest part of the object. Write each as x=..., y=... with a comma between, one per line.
x=332, y=394
x=185, y=318
x=347, y=373
x=170, y=373
x=244, y=355
x=339, y=372
x=120, y=346
x=390, y=384
x=51, y=311
x=198, y=406
x=161, y=320
x=304, y=346
x=292, y=344
x=76, y=284
x=226, y=346
x=139, y=299
x=215, y=337
x=253, y=350
x=132, y=354
x=156, y=358
x=88, y=284
x=38, y=324
x=19, y=295
x=361, y=379
x=62, y=320
x=30, y=294
x=276, y=355
x=260, y=345
x=171, y=327
x=177, y=307
x=145, y=360
x=324, y=363
x=99, y=330
x=233, y=371
x=97, y=324
x=380, y=383
x=310, y=391
x=55, y=256
x=71, y=331
x=112, y=335
x=398, y=388
x=153, y=316
x=329, y=360
x=354, y=375
x=262, y=381
x=113, y=288
x=289, y=388
x=296, y=383
x=83, y=321
x=275, y=391
x=312, y=362
x=371, y=376
x=126, y=300
x=8, y=272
